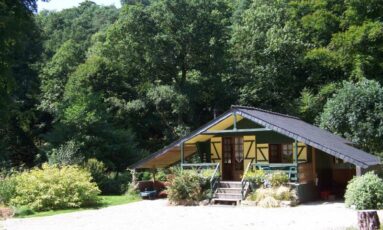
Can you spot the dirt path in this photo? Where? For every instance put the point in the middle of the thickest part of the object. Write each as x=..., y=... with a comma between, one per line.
x=158, y=215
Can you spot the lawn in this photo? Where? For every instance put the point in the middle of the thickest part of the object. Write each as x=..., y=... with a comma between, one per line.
x=106, y=201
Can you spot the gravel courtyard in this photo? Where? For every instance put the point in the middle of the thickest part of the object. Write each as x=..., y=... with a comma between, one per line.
x=158, y=215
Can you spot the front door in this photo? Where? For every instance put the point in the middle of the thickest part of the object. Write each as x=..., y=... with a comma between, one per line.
x=232, y=158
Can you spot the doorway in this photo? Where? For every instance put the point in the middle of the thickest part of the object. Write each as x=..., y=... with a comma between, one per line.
x=232, y=158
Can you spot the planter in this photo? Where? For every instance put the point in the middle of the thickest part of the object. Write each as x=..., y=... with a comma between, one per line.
x=253, y=186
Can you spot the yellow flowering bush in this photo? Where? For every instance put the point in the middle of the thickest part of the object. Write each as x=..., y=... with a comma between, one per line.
x=54, y=187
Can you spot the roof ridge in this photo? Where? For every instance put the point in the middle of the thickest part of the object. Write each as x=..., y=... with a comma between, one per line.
x=263, y=110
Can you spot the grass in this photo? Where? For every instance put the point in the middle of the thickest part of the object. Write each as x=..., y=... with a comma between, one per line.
x=106, y=201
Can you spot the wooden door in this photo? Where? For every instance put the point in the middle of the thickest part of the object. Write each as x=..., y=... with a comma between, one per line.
x=275, y=153
x=232, y=158
x=238, y=158
x=227, y=158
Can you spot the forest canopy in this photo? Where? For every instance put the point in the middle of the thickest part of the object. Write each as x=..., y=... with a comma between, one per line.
x=116, y=84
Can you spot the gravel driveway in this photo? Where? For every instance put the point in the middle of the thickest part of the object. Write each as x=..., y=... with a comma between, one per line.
x=158, y=215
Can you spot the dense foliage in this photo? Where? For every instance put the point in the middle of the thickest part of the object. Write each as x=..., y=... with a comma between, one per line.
x=356, y=112
x=365, y=192
x=189, y=186
x=53, y=187
x=256, y=177
x=115, y=84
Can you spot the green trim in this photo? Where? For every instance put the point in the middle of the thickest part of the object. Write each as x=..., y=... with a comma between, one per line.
x=228, y=131
x=182, y=152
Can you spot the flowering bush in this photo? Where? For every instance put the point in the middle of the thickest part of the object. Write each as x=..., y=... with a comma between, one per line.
x=53, y=187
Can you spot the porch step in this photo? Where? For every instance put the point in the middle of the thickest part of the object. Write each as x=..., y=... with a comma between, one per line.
x=229, y=190
x=234, y=196
x=230, y=184
x=226, y=200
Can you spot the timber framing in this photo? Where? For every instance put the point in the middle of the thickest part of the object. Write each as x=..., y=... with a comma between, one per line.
x=286, y=125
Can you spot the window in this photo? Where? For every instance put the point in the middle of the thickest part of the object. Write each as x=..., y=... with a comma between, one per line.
x=226, y=151
x=281, y=153
x=238, y=153
x=287, y=153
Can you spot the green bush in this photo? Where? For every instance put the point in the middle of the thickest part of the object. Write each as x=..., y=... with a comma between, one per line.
x=365, y=192
x=7, y=189
x=256, y=177
x=187, y=187
x=109, y=183
x=97, y=170
x=113, y=185
x=278, y=178
x=24, y=211
x=53, y=187
x=142, y=176
x=161, y=175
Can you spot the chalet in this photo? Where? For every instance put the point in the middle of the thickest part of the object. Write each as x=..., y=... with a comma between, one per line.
x=317, y=161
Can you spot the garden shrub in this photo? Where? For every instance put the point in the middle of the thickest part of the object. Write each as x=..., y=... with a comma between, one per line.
x=188, y=187
x=97, y=170
x=268, y=202
x=365, y=192
x=262, y=193
x=161, y=175
x=115, y=186
x=144, y=176
x=278, y=178
x=66, y=154
x=285, y=193
x=267, y=197
x=256, y=177
x=7, y=189
x=53, y=187
x=24, y=211
x=109, y=183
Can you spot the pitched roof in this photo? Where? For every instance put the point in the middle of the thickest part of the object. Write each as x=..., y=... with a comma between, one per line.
x=290, y=126
x=309, y=134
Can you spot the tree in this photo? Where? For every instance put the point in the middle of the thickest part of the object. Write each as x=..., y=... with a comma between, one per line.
x=356, y=113
x=168, y=49
x=20, y=49
x=269, y=54
x=311, y=105
x=83, y=117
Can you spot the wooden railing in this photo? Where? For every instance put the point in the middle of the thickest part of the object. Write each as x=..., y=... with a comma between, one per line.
x=290, y=168
x=214, y=179
x=243, y=181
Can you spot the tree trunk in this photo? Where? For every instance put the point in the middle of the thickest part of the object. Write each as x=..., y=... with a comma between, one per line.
x=368, y=220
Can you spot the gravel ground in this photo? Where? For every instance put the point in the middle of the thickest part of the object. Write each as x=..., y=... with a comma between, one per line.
x=158, y=215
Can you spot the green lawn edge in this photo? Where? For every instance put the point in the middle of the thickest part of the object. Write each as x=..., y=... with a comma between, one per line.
x=107, y=201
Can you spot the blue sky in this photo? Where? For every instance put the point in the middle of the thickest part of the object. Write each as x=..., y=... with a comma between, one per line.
x=58, y=5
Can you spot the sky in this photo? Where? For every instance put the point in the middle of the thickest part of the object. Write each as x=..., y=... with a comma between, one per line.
x=58, y=5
